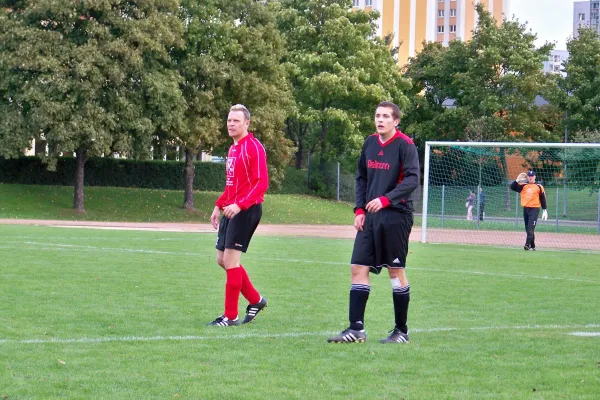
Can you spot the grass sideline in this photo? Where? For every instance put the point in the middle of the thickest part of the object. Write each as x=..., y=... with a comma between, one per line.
x=120, y=314
x=154, y=205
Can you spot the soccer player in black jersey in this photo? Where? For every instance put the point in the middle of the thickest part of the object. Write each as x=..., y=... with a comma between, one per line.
x=388, y=173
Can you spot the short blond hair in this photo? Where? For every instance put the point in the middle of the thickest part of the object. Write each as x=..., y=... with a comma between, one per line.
x=242, y=108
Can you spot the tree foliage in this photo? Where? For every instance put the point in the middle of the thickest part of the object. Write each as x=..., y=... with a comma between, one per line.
x=483, y=89
x=580, y=88
x=339, y=72
x=87, y=77
x=231, y=55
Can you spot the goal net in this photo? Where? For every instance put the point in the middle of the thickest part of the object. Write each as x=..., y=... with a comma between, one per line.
x=467, y=197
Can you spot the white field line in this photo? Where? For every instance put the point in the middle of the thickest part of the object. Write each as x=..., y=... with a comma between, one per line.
x=62, y=247
x=277, y=335
x=487, y=249
x=585, y=334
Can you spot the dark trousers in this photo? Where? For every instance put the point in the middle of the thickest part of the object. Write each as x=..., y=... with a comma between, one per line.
x=530, y=216
x=481, y=208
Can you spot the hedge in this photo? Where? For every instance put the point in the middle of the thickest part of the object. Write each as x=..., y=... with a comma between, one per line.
x=155, y=174
x=113, y=172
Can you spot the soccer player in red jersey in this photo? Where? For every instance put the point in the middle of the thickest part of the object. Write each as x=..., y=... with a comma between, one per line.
x=241, y=202
x=388, y=173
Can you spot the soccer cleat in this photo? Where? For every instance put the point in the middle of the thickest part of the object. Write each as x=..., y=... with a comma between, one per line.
x=526, y=247
x=396, y=336
x=533, y=249
x=252, y=310
x=224, y=321
x=349, y=336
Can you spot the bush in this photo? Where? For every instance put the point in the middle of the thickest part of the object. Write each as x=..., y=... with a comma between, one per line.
x=154, y=174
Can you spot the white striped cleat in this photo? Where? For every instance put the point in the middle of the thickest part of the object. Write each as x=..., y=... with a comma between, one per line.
x=349, y=336
x=396, y=336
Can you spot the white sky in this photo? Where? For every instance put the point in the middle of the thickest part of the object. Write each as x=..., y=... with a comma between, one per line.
x=551, y=20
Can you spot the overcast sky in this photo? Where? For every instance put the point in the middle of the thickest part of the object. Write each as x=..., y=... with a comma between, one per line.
x=551, y=20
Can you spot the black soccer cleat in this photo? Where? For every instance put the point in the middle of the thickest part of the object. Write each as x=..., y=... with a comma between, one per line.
x=349, y=336
x=252, y=310
x=224, y=321
x=526, y=247
x=396, y=336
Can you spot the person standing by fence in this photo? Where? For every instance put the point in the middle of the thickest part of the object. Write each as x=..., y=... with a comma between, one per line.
x=481, y=203
x=469, y=204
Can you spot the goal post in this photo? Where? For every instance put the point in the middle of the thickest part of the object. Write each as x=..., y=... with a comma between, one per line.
x=467, y=197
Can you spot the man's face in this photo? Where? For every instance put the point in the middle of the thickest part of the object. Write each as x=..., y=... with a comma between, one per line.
x=384, y=121
x=237, y=124
x=531, y=179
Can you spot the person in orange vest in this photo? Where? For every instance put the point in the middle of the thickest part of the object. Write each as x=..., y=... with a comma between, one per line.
x=533, y=197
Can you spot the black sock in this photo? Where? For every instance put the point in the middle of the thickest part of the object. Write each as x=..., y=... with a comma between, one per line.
x=401, y=299
x=359, y=294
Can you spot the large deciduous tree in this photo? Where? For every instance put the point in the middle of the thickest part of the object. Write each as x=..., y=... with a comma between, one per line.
x=339, y=72
x=88, y=77
x=232, y=55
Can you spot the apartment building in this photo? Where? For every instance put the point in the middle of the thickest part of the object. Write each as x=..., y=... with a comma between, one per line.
x=414, y=21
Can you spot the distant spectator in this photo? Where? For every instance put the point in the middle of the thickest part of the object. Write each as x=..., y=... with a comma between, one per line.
x=481, y=203
x=469, y=204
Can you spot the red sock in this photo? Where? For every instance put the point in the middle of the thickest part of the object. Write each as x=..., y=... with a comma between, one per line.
x=248, y=290
x=233, y=287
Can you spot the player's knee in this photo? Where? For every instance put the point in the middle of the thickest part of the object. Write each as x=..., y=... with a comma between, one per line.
x=360, y=274
x=220, y=261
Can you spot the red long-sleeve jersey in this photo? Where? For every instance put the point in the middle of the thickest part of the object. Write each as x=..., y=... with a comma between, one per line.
x=247, y=176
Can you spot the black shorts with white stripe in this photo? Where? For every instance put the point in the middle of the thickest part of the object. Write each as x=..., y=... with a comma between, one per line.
x=383, y=242
x=236, y=233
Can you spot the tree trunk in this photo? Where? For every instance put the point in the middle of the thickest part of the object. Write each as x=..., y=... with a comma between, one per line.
x=299, y=153
x=323, y=137
x=188, y=176
x=78, y=198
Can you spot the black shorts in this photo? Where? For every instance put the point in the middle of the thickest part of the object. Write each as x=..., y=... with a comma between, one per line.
x=235, y=233
x=383, y=241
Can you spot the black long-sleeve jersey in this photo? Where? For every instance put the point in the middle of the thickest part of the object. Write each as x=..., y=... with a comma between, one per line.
x=389, y=169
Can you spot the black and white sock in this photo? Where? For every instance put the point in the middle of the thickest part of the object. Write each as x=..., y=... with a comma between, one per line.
x=401, y=297
x=359, y=294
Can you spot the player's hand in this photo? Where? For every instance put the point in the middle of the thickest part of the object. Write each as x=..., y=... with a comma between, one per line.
x=544, y=215
x=214, y=217
x=522, y=177
x=359, y=222
x=231, y=210
x=374, y=205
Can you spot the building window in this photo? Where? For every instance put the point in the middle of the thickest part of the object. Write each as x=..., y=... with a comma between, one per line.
x=556, y=58
x=582, y=17
x=453, y=12
x=557, y=68
x=452, y=28
x=369, y=3
x=355, y=3
x=440, y=13
x=440, y=28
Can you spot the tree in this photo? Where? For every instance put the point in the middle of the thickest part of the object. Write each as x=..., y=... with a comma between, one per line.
x=339, y=72
x=491, y=83
x=87, y=77
x=580, y=88
x=232, y=52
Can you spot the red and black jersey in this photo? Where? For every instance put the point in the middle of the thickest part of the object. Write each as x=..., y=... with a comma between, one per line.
x=389, y=171
x=247, y=176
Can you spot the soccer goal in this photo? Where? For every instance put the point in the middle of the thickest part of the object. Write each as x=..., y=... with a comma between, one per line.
x=467, y=197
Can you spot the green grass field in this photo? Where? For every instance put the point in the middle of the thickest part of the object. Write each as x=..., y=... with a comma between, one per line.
x=105, y=314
